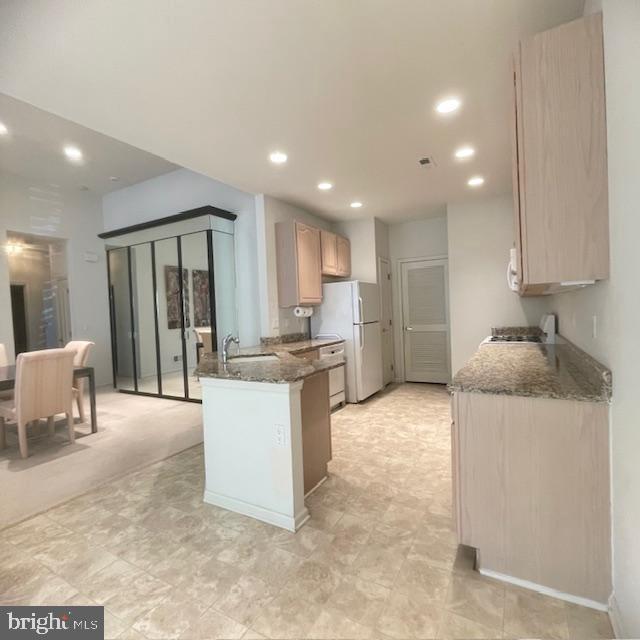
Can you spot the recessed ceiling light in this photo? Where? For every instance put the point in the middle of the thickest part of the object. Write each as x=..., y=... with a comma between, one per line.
x=13, y=248
x=476, y=181
x=278, y=157
x=3, y=129
x=73, y=153
x=356, y=205
x=325, y=186
x=448, y=106
x=464, y=152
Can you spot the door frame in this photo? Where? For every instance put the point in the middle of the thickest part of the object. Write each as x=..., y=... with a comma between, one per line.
x=27, y=313
x=400, y=361
x=392, y=372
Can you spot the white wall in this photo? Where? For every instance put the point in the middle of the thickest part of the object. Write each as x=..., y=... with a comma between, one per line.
x=182, y=190
x=616, y=304
x=32, y=269
x=480, y=234
x=425, y=237
x=275, y=321
x=362, y=236
x=422, y=238
x=76, y=216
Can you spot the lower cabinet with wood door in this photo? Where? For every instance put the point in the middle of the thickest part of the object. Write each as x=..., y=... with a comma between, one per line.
x=531, y=491
x=316, y=428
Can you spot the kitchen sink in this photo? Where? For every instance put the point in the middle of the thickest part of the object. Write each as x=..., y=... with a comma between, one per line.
x=243, y=359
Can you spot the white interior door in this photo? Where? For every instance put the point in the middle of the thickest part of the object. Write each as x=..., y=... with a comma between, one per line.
x=386, y=313
x=425, y=317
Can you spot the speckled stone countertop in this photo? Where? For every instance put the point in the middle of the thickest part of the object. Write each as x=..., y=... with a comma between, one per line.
x=560, y=371
x=516, y=331
x=287, y=368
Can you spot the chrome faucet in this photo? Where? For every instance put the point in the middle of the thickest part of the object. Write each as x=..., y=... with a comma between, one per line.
x=228, y=339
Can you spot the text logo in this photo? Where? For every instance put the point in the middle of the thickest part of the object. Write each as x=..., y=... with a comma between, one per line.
x=52, y=623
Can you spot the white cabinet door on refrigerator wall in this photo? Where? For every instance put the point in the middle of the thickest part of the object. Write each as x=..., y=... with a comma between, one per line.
x=368, y=357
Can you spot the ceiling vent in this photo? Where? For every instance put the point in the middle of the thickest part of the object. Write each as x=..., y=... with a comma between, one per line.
x=427, y=162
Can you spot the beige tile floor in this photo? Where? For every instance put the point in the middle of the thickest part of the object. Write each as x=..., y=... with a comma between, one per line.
x=133, y=431
x=377, y=560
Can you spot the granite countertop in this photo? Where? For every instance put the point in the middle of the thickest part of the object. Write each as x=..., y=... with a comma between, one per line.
x=288, y=367
x=560, y=370
x=516, y=331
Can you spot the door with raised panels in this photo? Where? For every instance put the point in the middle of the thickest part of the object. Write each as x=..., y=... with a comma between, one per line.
x=343, y=248
x=309, y=264
x=329, y=245
x=425, y=318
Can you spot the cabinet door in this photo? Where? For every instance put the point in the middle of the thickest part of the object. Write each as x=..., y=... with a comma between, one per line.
x=563, y=155
x=328, y=241
x=309, y=264
x=344, y=256
x=316, y=429
x=516, y=162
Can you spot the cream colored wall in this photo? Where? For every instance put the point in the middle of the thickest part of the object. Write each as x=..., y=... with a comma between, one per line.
x=422, y=238
x=275, y=321
x=362, y=236
x=480, y=234
x=616, y=303
x=77, y=217
x=31, y=268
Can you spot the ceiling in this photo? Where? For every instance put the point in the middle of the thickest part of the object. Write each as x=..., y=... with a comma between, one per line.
x=345, y=87
x=34, y=146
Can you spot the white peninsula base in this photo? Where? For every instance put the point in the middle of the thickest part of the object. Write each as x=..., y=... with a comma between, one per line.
x=253, y=449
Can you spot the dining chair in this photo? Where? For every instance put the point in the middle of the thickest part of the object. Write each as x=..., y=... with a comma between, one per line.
x=81, y=349
x=203, y=336
x=43, y=389
x=4, y=361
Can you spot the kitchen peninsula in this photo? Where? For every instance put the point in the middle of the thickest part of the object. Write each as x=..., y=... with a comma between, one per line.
x=267, y=429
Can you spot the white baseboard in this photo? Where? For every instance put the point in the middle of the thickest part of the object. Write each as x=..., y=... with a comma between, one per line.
x=259, y=513
x=616, y=618
x=547, y=591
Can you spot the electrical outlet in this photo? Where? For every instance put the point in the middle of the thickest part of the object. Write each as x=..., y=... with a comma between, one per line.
x=281, y=435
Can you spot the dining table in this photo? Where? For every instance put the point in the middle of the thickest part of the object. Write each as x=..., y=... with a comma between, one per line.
x=8, y=382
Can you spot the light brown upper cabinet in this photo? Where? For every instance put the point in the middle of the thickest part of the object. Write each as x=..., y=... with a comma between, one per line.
x=336, y=254
x=329, y=244
x=343, y=250
x=299, y=261
x=560, y=158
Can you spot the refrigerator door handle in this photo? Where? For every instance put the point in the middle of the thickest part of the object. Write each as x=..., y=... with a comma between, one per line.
x=360, y=309
x=361, y=332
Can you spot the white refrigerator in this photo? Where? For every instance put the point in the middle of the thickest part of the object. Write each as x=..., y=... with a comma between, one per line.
x=351, y=310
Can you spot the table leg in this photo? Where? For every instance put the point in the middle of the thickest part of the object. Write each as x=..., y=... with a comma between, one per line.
x=92, y=399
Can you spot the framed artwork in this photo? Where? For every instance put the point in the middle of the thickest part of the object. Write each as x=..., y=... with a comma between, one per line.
x=201, y=307
x=172, y=288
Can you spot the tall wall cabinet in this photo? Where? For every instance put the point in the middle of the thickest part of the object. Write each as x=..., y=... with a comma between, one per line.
x=560, y=158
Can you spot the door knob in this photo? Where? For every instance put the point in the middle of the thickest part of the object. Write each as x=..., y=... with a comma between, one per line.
x=408, y=328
